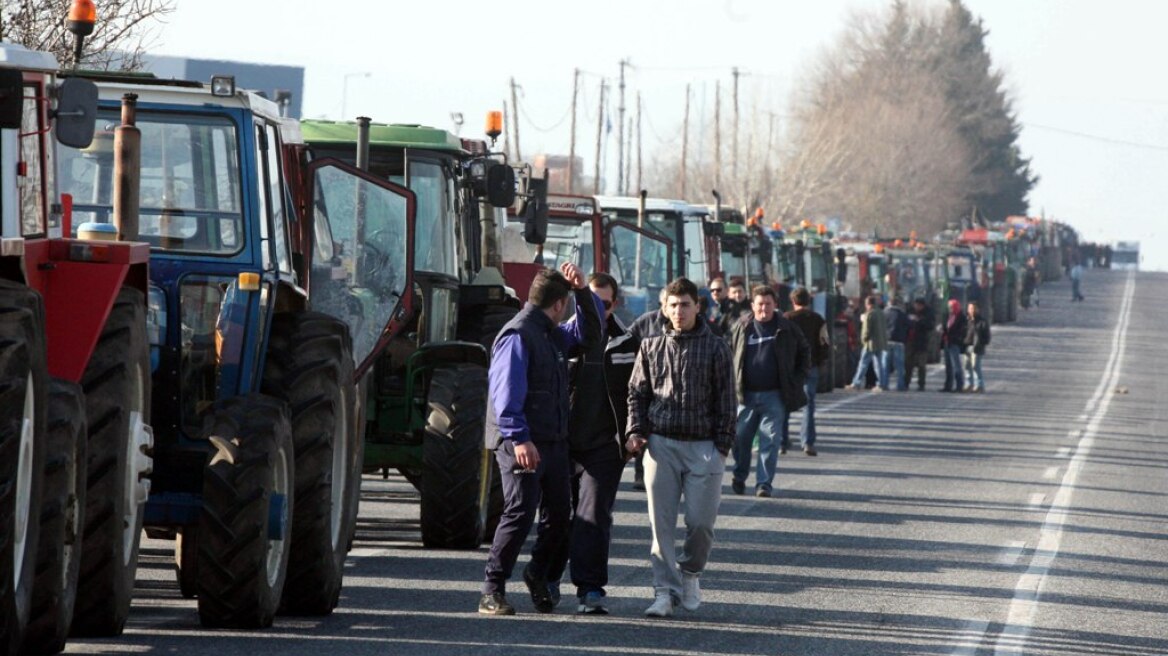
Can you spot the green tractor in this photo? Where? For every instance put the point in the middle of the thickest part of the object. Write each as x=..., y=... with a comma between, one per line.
x=426, y=392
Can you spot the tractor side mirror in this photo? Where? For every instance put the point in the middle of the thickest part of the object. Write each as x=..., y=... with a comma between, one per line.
x=501, y=185
x=713, y=228
x=535, y=212
x=76, y=112
x=11, y=98
x=841, y=266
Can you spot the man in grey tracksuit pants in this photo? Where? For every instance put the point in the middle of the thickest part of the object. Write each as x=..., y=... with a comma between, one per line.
x=682, y=409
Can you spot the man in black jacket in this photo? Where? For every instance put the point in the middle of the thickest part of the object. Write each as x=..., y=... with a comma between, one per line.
x=814, y=329
x=897, y=321
x=771, y=361
x=599, y=411
x=953, y=345
x=977, y=338
x=920, y=328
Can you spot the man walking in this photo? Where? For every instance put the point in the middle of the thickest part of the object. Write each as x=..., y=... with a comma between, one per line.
x=771, y=360
x=953, y=344
x=977, y=338
x=896, y=320
x=528, y=425
x=920, y=328
x=814, y=330
x=1077, y=282
x=873, y=341
x=599, y=412
x=681, y=408
x=736, y=306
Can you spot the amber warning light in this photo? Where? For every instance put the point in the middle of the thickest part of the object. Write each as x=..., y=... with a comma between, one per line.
x=82, y=17
x=494, y=124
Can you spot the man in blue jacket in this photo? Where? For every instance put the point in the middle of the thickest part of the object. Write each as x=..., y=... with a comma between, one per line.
x=528, y=425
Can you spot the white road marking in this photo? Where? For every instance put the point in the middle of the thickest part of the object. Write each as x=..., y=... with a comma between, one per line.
x=368, y=552
x=1050, y=472
x=1011, y=554
x=970, y=637
x=1075, y=432
x=1036, y=500
x=1064, y=452
x=1027, y=593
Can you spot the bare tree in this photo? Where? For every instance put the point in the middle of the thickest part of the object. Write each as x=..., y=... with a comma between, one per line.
x=124, y=30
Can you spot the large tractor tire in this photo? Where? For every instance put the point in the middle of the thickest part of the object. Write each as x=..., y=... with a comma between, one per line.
x=244, y=536
x=456, y=479
x=23, y=417
x=117, y=408
x=61, y=520
x=310, y=366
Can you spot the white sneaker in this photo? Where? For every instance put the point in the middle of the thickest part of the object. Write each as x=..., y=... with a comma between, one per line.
x=662, y=606
x=691, y=592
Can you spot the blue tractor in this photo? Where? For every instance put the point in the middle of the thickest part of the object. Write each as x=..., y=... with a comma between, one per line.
x=256, y=410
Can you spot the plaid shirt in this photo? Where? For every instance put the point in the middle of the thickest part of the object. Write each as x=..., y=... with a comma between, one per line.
x=683, y=388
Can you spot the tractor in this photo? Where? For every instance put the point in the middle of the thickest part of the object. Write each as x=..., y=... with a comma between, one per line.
x=74, y=370
x=255, y=383
x=427, y=394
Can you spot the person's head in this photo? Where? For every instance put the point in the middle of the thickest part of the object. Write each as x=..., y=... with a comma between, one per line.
x=681, y=304
x=605, y=286
x=549, y=292
x=762, y=302
x=871, y=302
x=972, y=309
x=737, y=291
x=718, y=289
x=801, y=298
x=919, y=304
x=897, y=302
x=954, y=306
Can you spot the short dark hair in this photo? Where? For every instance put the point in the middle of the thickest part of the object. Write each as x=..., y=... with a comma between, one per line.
x=738, y=283
x=548, y=288
x=763, y=290
x=872, y=301
x=801, y=296
x=682, y=287
x=602, y=280
x=718, y=279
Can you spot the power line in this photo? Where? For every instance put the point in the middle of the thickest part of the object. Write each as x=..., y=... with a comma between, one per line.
x=1095, y=137
x=532, y=123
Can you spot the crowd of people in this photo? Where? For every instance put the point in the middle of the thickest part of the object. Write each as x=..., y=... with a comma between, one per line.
x=684, y=388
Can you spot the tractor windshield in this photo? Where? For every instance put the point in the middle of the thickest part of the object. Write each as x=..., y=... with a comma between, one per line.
x=190, y=198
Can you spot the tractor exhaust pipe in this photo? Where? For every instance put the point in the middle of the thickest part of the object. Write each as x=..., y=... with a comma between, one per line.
x=127, y=170
x=363, y=143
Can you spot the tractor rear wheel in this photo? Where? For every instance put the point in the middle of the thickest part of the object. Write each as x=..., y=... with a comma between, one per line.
x=244, y=527
x=23, y=417
x=310, y=366
x=456, y=479
x=117, y=409
x=61, y=519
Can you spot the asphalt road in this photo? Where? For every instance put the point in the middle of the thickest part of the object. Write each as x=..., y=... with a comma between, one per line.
x=1028, y=520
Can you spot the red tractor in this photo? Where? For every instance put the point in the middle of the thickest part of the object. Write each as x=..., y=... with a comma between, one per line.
x=74, y=370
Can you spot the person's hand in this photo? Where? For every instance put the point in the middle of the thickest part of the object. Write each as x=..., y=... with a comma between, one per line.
x=573, y=274
x=526, y=455
x=634, y=444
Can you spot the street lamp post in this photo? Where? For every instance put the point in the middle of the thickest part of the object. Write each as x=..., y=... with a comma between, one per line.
x=345, y=91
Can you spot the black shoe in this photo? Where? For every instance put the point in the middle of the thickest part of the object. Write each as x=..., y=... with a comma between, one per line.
x=782, y=449
x=541, y=597
x=739, y=487
x=763, y=493
x=495, y=604
x=639, y=481
x=810, y=450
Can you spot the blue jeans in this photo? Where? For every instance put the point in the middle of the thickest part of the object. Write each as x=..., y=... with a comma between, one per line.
x=762, y=413
x=953, y=378
x=875, y=359
x=894, y=361
x=973, y=369
x=807, y=429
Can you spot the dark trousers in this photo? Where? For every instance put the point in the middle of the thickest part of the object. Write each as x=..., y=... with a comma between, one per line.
x=918, y=360
x=597, y=477
x=522, y=497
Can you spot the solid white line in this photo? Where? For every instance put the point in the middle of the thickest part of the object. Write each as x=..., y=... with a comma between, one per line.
x=1050, y=472
x=1024, y=606
x=1011, y=554
x=970, y=637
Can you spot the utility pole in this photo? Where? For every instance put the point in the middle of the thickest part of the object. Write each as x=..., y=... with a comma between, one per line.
x=572, y=146
x=506, y=136
x=629, y=159
x=717, y=134
x=599, y=139
x=684, y=143
x=734, y=165
x=515, y=117
x=620, y=157
x=639, y=107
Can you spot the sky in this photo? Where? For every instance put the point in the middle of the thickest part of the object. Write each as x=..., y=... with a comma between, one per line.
x=1085, y=76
